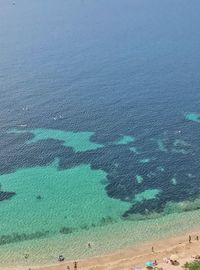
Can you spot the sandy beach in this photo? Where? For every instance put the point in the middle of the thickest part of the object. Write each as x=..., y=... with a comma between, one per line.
x=128, y=258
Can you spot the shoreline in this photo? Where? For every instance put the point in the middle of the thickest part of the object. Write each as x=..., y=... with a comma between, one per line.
x=136, y=256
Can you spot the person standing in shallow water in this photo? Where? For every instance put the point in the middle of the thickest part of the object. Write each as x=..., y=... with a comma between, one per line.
x=75, y=266
x=189, y=239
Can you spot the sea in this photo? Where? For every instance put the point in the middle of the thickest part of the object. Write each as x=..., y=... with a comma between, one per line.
x=99, y=126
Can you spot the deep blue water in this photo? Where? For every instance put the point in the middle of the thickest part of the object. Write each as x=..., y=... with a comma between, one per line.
x=112, y=67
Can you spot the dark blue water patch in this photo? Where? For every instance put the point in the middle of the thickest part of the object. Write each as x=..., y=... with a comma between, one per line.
x=4, y=195
x=41, y=153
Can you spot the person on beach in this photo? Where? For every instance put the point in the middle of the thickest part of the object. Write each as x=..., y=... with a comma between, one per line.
x=61, y=258
x=155, y=263
x=152, y=249
x=68, y=268
x=190, y=238
x=26, y=256
x=197, y=238
x=75, y=265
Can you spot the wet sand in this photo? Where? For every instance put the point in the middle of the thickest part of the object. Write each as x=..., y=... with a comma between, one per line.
x=128, y=258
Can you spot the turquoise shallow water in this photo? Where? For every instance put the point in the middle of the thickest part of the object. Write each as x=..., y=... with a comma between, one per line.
x=104, y=239
x=49, y=199
x=60, y=210
x=193, y=117
x=79, y=141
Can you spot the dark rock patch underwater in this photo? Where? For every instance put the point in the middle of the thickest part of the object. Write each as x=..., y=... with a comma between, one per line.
x=168, y=163
x=6, y=195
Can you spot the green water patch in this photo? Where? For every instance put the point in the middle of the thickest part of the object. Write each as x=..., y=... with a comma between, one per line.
x=139, y=179
x=183, y=206
x=79, y=141
x=180, y=143
x=147, y=194
x=160, y=168
x=125, y=140
x=145, y=160
x=174, y=181
x=180, y=147
x=161, y=145
x=180, y=151
x=191, y=116
x=134, y=149
x=57, y=201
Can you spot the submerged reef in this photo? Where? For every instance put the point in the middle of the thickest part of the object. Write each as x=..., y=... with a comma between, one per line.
x=18, y=237
x=167, y=162
x=66, y=230
x=6, y=195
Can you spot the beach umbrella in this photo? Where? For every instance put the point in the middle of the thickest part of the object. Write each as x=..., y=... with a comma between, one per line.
x=149, y=264
x=174, y=257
